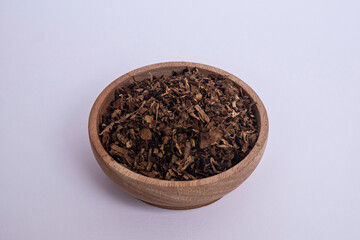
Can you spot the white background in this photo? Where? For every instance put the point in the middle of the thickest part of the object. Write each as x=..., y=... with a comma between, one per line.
x=301, y=57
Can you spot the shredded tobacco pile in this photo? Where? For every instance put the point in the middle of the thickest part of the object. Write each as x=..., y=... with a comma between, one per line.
x=181, y=127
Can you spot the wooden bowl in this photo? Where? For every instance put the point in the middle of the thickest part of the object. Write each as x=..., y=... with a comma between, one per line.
x=175, y=194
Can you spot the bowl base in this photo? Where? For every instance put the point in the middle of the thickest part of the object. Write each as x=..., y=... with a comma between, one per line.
x=181, y=208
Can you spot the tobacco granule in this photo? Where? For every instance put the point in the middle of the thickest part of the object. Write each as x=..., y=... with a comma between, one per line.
x=181, y=127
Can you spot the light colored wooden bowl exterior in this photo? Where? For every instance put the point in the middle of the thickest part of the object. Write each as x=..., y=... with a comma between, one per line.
x=175, y=194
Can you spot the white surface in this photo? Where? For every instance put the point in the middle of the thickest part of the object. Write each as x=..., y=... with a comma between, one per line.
x=301, y=57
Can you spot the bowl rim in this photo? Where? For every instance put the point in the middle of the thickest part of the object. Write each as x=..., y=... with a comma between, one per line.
x=120, y=169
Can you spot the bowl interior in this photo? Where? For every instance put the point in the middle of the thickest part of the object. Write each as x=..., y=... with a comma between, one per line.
x=158, y=70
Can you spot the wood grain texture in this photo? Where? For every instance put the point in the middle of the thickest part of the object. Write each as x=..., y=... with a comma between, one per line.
x=175, y=194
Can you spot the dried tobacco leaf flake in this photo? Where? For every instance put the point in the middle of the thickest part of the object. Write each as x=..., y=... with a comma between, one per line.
x=132, y=134
x=224, y=144
x=198, y=96
x=148, y=174
x=148, y=167
x=108, y=128
x=116, y=113
x=189, y=160
x=184, y=126
x=145, y=134
x=212, y=163
x=178, y=148
x=148, y=119
x=119, y=150
x=233, y=104
x=202, y=113
x=129, y=144
x=121, y=138
x=105, y=138
x=209, y=138
x=252, y=139
x=192, y=141
x=167, y=131
x=245, y=147
x=166, y=139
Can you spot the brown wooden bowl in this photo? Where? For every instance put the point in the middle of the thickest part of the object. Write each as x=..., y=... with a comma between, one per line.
x=175, y=194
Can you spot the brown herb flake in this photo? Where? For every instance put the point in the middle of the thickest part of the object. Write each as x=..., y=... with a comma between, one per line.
x=203, y=115
x=181, y=127
x=145, y=134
